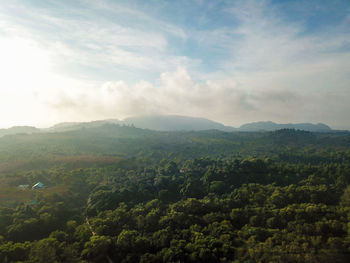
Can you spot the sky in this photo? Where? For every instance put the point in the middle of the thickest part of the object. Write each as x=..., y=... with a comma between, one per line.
x=229, y=61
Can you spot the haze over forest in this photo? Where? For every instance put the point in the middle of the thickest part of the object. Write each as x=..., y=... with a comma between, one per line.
x=234, y=62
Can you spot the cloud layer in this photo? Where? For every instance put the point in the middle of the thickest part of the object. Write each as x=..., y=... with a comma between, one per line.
x=177, y=93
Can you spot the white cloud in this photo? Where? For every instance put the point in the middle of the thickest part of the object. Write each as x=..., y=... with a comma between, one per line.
x=85, y=39
x=174, y=93
x=135, y=16
x=222, y=100
x=270, y=57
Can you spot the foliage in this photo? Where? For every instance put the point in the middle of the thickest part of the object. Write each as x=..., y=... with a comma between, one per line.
x=132, y=195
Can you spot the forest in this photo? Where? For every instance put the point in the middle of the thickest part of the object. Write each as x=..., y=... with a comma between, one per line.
x=122, y=194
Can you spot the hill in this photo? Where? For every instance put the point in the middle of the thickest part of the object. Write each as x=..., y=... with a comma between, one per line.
x=71, y=126
x=127, y=141
x=175, y=123
x=151, y=122
x=272, y=126
x=187, y=123
x=18, y=129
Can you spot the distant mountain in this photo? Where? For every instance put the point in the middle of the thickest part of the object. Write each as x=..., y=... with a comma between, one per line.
x=71, y=126
x=18, y=129
x=185, y=123
x=175, y=123
x=271, y=126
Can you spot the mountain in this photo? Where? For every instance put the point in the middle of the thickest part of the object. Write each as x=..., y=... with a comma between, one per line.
x=72, y=126
x=185, y=123
x=18, y=129
x=175, y=123
x=272, y=126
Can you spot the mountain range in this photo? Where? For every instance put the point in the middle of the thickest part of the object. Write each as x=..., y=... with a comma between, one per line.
x=170, y=123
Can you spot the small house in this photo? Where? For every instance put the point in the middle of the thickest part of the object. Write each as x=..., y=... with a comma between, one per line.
x=38, y=185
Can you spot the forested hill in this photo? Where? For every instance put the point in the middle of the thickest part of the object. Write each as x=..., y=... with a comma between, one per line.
x=271, y=126
x=152, y=122
x=175, y=123
x=126, y=141
x=18, y=130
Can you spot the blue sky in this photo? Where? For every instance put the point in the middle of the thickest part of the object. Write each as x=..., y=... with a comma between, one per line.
x=230, y=61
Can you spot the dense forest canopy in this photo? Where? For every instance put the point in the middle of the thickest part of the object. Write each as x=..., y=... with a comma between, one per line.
x=117, y=193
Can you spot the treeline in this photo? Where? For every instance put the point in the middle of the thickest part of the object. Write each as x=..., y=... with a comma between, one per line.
x=127, y=142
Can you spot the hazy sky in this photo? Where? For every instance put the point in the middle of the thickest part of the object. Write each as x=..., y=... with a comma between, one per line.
x=230, y=61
